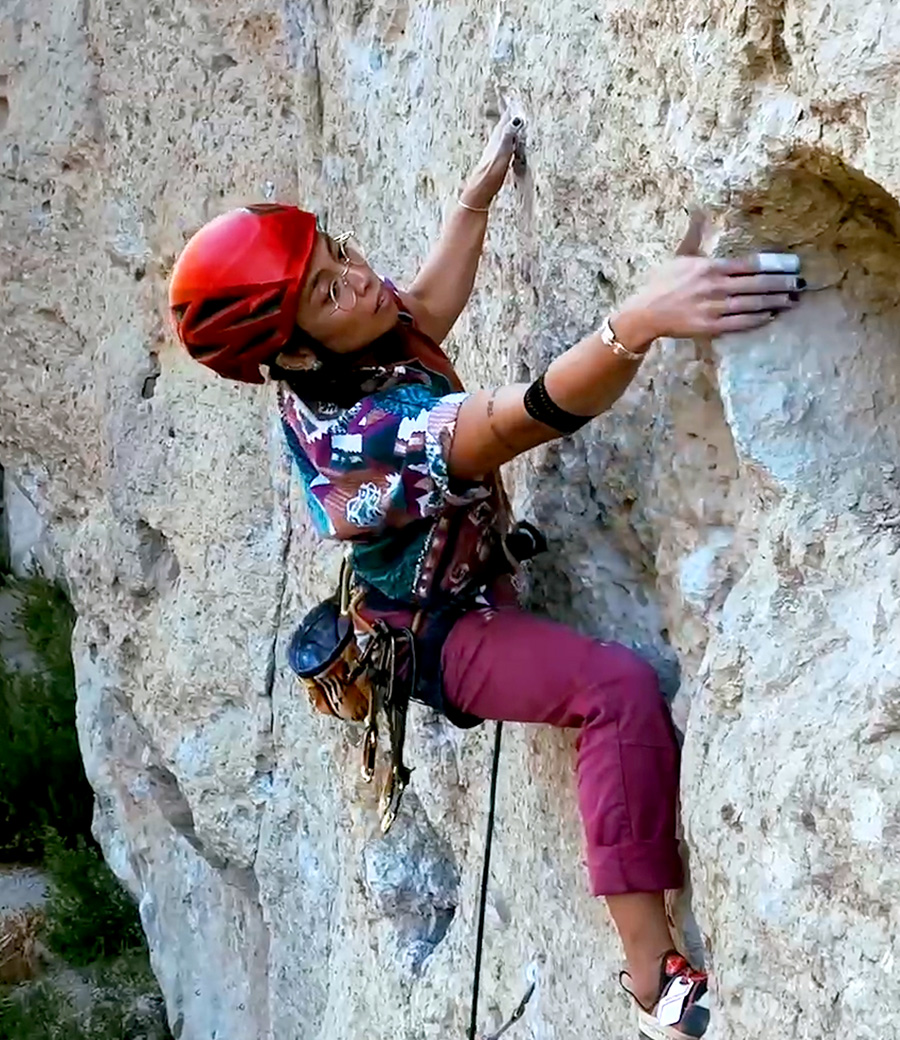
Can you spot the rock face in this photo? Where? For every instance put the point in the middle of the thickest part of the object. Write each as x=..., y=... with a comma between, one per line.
x=735, y=516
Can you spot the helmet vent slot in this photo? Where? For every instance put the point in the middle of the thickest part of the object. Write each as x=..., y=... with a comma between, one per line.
x=211, y=307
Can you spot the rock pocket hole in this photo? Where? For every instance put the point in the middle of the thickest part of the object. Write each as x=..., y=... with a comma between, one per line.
x=148, y=387
x=159, y=565
x=815, y=398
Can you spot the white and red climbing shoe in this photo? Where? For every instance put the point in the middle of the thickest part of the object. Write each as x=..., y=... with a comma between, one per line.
x=681, y=1011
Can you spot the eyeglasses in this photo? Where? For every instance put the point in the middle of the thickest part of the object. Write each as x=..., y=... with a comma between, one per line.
x=342, y=293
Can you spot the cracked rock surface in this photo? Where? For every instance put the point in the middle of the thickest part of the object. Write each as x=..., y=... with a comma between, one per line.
x=736, y=517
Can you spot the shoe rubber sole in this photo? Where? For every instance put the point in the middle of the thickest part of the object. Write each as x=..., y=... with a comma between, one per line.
x=650, y=1028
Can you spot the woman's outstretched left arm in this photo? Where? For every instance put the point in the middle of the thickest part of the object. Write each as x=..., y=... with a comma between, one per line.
x=443, y=285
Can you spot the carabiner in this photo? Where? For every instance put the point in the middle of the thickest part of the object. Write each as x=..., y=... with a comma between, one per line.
x=369, y=749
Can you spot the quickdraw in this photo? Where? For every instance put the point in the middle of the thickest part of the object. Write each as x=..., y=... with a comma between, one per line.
x=391, y=694
x=516, y=1015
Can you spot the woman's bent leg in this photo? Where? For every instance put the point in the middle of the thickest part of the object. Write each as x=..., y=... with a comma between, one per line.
x=510, y=665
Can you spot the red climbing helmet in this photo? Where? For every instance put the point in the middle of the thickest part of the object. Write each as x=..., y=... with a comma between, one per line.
x=234, y=289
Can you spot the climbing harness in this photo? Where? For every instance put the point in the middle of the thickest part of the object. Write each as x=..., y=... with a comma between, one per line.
x=355, y=670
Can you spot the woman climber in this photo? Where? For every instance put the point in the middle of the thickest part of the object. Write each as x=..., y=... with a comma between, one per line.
x=398, y=460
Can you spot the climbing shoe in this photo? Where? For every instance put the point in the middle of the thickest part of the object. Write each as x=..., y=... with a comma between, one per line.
x=681, y=1011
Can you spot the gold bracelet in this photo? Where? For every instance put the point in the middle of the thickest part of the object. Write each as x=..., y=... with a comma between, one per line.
x=608, y=337
x=472, y=209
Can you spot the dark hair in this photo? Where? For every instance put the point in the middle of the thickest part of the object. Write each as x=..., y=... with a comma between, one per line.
x=338, y=379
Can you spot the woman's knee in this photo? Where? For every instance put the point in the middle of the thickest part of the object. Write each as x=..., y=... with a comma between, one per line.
x=624, y=681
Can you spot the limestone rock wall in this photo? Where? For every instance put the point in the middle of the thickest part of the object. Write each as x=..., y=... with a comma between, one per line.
x=736, y=515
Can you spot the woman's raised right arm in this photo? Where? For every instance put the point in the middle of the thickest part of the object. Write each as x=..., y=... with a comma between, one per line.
x=690, y=296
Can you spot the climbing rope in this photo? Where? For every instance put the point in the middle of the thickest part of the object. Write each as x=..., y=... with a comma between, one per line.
x=485, y=873
x=482, y=906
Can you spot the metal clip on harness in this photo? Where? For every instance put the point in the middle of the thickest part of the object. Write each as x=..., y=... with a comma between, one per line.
x=393, y=695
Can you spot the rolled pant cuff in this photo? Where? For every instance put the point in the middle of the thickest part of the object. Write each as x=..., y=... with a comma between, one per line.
x=640, y=866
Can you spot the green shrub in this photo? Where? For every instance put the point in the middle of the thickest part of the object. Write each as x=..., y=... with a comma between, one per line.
x=89, y=915
x=118, y=1002
x=45, y=814
x=47, y=618
x=43, y=781
x=45, y=800
x=37, y=1012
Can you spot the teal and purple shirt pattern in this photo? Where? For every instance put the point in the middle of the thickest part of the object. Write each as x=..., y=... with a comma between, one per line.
x=376, y=474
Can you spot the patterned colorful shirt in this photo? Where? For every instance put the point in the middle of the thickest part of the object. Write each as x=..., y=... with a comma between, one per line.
x=376, y=474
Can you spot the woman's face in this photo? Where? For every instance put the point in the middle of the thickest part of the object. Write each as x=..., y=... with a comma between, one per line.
x=343, y=304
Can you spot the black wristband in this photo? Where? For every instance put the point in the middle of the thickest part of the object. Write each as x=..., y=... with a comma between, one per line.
x=542, y=408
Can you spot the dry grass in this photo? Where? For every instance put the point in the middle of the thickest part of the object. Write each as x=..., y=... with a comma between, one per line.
x=20, y=946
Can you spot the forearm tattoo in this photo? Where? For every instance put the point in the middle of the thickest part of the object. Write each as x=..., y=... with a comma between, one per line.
x=490, y=414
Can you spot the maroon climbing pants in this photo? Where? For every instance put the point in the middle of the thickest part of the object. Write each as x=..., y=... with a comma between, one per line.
x=510, y=665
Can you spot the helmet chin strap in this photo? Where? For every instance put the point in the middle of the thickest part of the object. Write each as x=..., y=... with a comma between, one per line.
x=403, y=315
